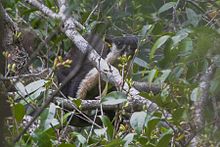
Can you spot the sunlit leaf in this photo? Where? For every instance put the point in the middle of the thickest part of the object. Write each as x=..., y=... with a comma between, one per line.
x=34, y=86
x=166, y=7
x=158, y=44
x=196, y=93
x=182, y=34
x=141, y=62
x=100, y=132
x=138, y=121
x=51, y=121
x=21, y=89
x=128, y=139
x=192, y=17
x=114, y=98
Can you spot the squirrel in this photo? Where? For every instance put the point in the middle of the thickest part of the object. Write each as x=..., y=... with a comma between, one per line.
x=87, y=76
x=85, y=84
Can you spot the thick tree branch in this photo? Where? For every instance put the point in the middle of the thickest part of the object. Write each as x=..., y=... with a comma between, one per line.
x=44, y=9
x=95, y=104
x=199, y=104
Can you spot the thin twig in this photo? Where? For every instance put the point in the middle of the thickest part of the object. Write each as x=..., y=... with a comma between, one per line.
x=25, y=75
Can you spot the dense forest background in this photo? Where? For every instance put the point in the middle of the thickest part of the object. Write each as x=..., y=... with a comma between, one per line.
x=170, y=97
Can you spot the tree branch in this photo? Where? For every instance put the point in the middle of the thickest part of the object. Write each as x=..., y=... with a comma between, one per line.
x=199, y=104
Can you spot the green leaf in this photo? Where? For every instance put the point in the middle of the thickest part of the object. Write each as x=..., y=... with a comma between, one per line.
x=196, y=94
x=77, y=102
x=187, y=46
x=177, y=114
x=141, y=62
x=138, y=121
x=19, y=112
x=50, y=117
x=182, y=34
x=152, y=75
x=114, y=98
x=100, y=132
x=44, y=138
x=192, y=17
x=166, y=7
x=79, y=136
x=110, y=129
x=163, y=77
x=145, y=30
x=165, y=139
x=128, y=139
x=158, y=44
x=151, y=124
x=33, y=96
x=21, y=89
x=34, y=86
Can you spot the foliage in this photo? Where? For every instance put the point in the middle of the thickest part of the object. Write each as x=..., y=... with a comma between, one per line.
x=178, y=40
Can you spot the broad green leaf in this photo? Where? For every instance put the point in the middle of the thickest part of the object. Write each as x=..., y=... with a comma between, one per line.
x=192, y=17
x=110, y=129
x=187, y=47
x=152, y=74
x=158, y=44
x=100, y=132
x=177, y=114
x=163, y=77
x=145, y=30
x=138, y=121
x=182, y=34
x=151, y=124
x=165, y=139
x=114, y=98
x=166, y=7
x=45, y=137
x=128, y=139
x=195, y=95
x=34, y=86
x=141, y=62
x=79, y=136
x=19, y=112
x=50, y=118
x=21, y=89
x=34, y=95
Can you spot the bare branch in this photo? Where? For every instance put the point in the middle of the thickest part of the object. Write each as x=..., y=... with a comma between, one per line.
x=199, y=104
x=95, y=104
x=25, y=75
x=44, y=9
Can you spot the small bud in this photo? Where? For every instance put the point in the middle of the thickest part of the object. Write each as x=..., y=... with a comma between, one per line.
x=13, y=68
x=9, y=66
x=60, y=59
